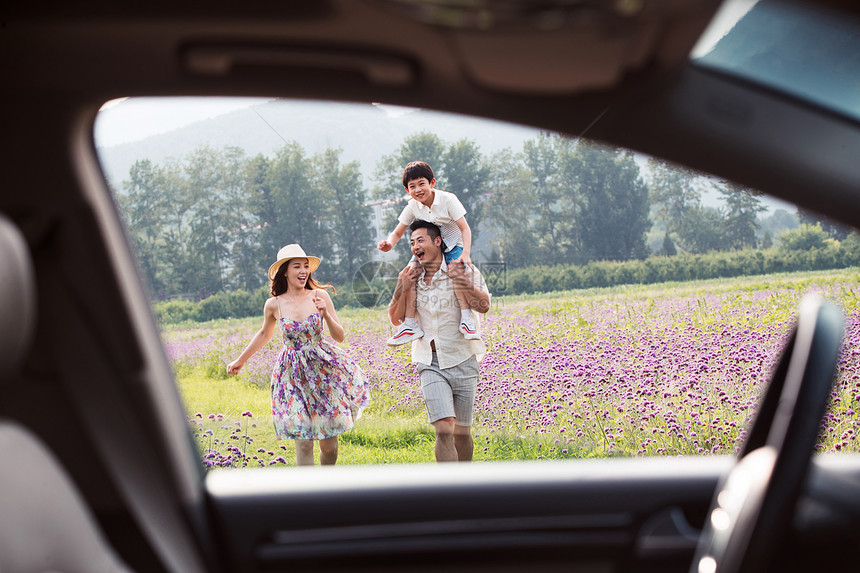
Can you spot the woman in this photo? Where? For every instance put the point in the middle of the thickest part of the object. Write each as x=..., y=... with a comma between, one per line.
x=318, y=391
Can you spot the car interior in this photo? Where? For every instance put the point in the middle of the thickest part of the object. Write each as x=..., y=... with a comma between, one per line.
x=99, y=471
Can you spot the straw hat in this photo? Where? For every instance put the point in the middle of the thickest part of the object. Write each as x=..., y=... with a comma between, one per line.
x=292, y=252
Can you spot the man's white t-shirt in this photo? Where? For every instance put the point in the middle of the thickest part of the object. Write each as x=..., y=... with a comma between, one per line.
x=445, y=210
x=439, y=313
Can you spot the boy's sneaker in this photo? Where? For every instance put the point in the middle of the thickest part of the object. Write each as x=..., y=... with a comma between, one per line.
x=405, y=333
x=468, y=328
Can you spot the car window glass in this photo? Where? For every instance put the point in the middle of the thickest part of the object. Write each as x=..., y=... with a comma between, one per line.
x=637, y=307
x=800, y=50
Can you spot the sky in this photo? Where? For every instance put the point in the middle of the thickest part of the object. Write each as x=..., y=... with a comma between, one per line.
x=132, y=119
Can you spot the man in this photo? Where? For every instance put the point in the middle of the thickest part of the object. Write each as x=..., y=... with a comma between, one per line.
x=447, y=363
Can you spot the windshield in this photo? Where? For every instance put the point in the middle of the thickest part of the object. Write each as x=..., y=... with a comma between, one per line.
x=803, y=52
x=637, y=308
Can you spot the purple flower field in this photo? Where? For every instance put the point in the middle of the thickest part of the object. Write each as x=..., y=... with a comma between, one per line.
x=669, y=370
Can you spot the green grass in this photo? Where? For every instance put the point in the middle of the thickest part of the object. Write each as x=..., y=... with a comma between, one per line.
x=377, y=438
x=390, y=432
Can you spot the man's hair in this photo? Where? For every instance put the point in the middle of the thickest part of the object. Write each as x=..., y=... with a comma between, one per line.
x=432, y=228
x=417, y=170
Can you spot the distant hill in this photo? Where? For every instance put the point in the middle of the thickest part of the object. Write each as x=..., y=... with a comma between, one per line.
x=364, y=132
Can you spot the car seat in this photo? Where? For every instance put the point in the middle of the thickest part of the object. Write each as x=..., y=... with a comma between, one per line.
x=45, y=524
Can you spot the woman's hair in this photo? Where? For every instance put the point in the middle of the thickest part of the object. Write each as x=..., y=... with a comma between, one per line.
x=279, y=283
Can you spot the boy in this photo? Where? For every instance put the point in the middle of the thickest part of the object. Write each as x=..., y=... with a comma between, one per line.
x=446, y=211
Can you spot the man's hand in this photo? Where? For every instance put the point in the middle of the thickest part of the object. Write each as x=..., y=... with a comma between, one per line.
x=477, y=299
x=410, y=274
x=457, y=272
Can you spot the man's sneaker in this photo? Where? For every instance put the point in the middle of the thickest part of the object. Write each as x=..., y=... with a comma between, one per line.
x=469, y=329
x=405, y=334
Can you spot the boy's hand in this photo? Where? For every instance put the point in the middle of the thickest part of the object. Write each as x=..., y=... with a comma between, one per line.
x=465, y=259
x=384, y=246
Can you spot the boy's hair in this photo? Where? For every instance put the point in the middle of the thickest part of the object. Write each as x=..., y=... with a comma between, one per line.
x=417, y=170
x=432, y=228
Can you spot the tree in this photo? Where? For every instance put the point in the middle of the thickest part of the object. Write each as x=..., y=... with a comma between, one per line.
x=348, y=212
x=833, y=229
x=174, y=248
x=742, y=208
x=248, y=254
x=675, y=195
x=804, y=238
x=668, y=248
x=214, y=188
x=540, y=158
x=423, y=146
x=467, y=176
x=612, y=217
x=263, y=216
x=143, y=209
x=511, y=209
x=777, y=223
x=703, y=230
x=300, y=209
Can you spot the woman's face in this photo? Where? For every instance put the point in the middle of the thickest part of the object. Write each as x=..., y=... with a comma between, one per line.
x=298, y=271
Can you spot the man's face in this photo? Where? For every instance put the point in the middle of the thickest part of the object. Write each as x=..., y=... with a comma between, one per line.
x=424, y=247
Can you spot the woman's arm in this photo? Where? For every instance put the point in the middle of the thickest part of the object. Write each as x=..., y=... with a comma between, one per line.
x=260, y=338
x=325, y=306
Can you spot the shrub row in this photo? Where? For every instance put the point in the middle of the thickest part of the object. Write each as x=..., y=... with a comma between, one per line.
x=527, y=280
x=237, y=304
x=683, y=267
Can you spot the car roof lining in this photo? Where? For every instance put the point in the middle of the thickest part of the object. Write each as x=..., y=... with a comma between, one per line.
x=625, y=105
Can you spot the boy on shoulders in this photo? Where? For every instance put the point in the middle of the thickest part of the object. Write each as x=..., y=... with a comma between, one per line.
x=445, y=210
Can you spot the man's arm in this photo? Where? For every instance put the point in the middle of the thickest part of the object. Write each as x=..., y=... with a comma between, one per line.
x=477, y=298
x=405, y=281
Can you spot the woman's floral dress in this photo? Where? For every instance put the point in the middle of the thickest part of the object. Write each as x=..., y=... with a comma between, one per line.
x=317, y=390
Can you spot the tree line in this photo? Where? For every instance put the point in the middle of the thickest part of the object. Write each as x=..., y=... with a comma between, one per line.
x=212, y=221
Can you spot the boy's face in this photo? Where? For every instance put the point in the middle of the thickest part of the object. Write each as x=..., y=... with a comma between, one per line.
x=421, y=190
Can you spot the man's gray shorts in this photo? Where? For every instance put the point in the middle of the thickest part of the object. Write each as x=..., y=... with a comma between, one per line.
x=449, y=392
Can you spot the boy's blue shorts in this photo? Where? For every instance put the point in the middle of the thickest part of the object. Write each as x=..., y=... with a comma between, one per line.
x=451, y=255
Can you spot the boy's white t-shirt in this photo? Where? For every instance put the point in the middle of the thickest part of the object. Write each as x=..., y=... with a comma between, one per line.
x=445, y=210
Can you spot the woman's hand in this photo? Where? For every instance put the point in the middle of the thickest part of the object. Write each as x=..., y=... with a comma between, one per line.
x=234, y=367
x=320, y=303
